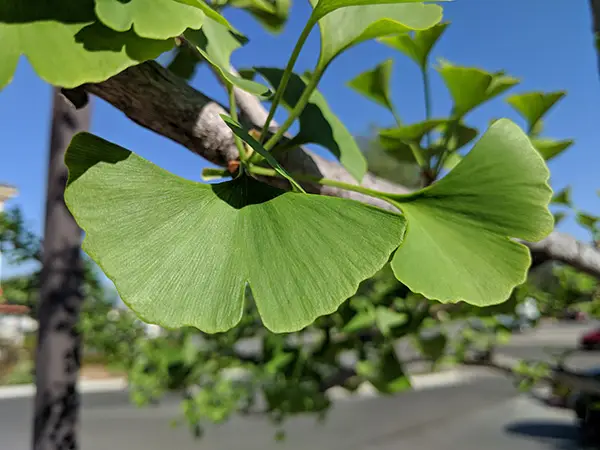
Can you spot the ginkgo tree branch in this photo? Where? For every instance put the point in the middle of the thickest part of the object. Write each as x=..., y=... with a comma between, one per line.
x=153, y=97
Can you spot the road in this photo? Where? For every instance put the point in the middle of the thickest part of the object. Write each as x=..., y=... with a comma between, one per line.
x=486, y=410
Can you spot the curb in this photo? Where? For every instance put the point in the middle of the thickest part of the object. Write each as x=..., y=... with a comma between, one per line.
x=366, y=390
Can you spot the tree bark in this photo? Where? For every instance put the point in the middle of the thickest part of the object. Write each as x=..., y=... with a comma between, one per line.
x=56, y=418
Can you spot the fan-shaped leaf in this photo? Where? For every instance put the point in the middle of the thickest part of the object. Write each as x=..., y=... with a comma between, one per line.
x=532, y=106
x=153, y=19
x=417, y=45
x=83, y=50
x=216, y=44
x=273, y=14
x=375, y=84
x=182, y=253
x=460, y=228
x=368, y=21
x=396, y=141
x=324, y=7
x=588, y=221
x=470, y=87
x=550, y=148
x=318, y=124
x=563, y=197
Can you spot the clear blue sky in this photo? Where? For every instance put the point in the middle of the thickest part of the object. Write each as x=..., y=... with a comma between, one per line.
x=545, y=43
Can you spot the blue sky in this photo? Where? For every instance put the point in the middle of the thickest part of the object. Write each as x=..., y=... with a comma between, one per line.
x=546, y=44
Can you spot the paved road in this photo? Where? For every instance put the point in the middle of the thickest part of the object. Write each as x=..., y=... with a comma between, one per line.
x=484, y=410
x=458, y=417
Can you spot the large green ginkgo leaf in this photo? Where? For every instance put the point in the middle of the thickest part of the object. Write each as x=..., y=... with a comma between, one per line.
x=345, y=27
x=216, y=43
x=82, y=49
x=181, y=253
x=154, y=19
x=318, y=124
x=458, y=244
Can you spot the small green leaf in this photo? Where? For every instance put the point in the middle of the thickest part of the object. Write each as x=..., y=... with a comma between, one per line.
x=451, y=160
x=417, y=45
x=532, y=106
x=361, y=321
x=324, y=7
x=182, y=253
x=461, y=136
x=386, y=374
x=365, y=20
x=559, y=217
x=273, y=14
x=563, y=197
x=549, y=148
x=216, y=44
x=471, y=87
x=460, y=227
x=208, y=12
x=588, y=221
x=433, y=347
x=386, y=319
x=318, y=124
x=375, y=84
x=153, y=19
x=239, y=131
x=184, y=62
x=83, y=50
x=396, y=141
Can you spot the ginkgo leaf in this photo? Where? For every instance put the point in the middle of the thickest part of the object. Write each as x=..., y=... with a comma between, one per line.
x=324, y=7
x=588, y=221
x=273, y=14
x=368, y=21
x=182, y=253
x=417, y=45
x=563, y=197
x=83, y=50
x=550, y=148
x=375, y=84
x=471, y=87
x=397, y=140
x=154, y=19
x=532, y=106
x=216, y=44
x=461, y=228
x=318, y=124
x=387, y=319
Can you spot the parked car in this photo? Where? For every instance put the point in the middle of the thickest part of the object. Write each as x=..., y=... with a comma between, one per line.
x=590, y=340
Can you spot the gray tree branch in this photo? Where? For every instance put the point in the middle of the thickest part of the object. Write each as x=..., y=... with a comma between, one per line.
x=153, y=97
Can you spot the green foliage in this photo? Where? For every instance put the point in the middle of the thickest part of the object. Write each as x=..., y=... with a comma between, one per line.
x=365, y=22
x=375, y=84
x=418, y=45
x=215, y=42
x=83, y=49
x=455, y=222
x=534, y=105
x=259, y=235
x=241, y=259
x=318, y=124
x=482, y=86
x=148, y=19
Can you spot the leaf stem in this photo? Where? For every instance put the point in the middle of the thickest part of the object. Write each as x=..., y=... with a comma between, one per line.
x=234, y=115
x=427, y=95
x=297, y=110
x=285, y=78
x=447, y=136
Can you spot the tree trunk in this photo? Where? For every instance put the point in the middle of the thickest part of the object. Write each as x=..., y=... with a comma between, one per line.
x=56, y=418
